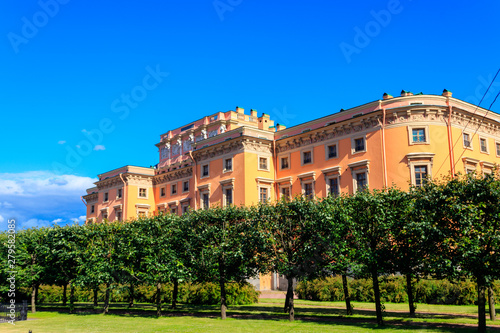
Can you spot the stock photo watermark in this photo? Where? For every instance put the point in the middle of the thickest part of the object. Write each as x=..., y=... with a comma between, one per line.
x=223, y=6
x=364, y=35
x=31, y=26
x=11, y=272
x=120, y=106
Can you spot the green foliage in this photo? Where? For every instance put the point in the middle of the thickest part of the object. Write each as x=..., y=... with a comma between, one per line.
x=393, y=290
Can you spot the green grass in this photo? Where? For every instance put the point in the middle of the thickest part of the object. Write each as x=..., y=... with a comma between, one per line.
x=266, y=316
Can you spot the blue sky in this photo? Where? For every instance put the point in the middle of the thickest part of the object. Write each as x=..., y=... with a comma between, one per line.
x=89, y=86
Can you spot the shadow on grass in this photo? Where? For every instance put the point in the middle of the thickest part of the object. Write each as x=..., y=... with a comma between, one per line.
x=319, y=316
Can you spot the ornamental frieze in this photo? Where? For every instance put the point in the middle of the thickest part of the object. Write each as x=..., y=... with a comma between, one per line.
x=173, y=175
x=138, y=180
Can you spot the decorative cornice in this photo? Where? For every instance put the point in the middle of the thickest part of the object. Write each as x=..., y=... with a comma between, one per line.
x=173, y=175
x=360, y=164
x=331, y=170
x=414, y=156
x=92, y=197
x=307, y=175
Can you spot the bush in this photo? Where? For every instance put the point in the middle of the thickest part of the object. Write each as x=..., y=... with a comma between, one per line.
x=393, y=290
x=189, y=293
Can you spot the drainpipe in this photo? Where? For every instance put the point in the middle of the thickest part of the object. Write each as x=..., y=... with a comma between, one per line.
x=450, y=140
x=275, y=158
x=384, y=158
x=195, y=180
x=124, y=210
x=83, y=201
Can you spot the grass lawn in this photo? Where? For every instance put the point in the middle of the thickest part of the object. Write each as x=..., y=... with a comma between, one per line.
x=267, y=316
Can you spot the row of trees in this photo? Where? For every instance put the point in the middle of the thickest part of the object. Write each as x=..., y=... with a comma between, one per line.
x=443, y=229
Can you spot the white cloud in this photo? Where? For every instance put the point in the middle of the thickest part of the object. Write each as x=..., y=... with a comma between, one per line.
x=99, y=147
x=1, y=219
x=61, y=142
x=36, y=198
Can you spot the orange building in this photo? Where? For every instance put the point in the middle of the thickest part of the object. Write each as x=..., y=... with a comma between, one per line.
x=235, y=158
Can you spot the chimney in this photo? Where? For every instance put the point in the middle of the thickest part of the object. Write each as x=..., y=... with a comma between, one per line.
x=386, y=96
x=240, y=110
x=404, y=93
x=447, y=93
x=253, y=113
x=280, y=127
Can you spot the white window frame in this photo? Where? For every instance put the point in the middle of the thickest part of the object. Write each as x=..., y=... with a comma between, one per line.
x=486, y=168
x=118, y=211
x=105, y=197
x=204, y=189
x=308, y=178
x=328, y=178
x=302, y=152
x=224, y=170
x=183, y=183
x=164, y=190
x=117, y=192
x=426, y=133
x=358, y=168
x=487, y=151
x=327, y=150
x=185, y=207
x=139, y=192
x=419, y=159
x=355, y=179
x=172, y=187
x=471, y=146
x=92, y=209
x=267, y=188
x=202, y=166
x=353, y=144
x=282, y=184
x=287, y=156
x=264, y=183
x=227, y=184
x=258, y=163
x=497, y=148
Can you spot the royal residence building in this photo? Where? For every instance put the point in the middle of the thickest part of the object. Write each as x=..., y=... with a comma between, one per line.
x=238, y=158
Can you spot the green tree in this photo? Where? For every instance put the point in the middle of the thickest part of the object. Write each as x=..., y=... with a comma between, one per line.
x=224, y=246
x=32, y=252
x=374, y=214
x=298, y=241
x=463, y=215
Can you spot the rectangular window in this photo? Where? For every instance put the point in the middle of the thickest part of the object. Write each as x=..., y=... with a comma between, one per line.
x=205, y=200
x=359, y=145
x=141, y=214
x=332, y=151
x=142, y=193
x=334, y=186
x=185, y=209
x=498, y=149
x=263, y=194
x=92, y=209
x=228, y=164
x=308, y=190
x=263, y=163
x=361, y=181
x=173, y=210
x=204, y=170
x=306, y=157
x=173, y=189
x=119, y=194
x=418, y=135
x=105, y=216
x=284, y=163
x=118, y=215
x=162, y=192
x=467, y=143
x=420, y=175
x=229, y=196
x=106, y=196
x=483, y=145
x=185, y=186
x=285, y=192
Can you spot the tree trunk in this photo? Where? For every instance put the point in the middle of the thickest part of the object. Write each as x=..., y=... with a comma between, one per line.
x=346, y=295
x=289, y=296
x=95, y=296
x=158, y=299
x=71, y=297
x=175, y=292
x=65, y=298
x=481, y=305
x=378, y=305
x=491, y=300
x=106, y=299
x=36, y=293
x=131, y=298
x=409, y=290
x=223, y=305
x=34, y=288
